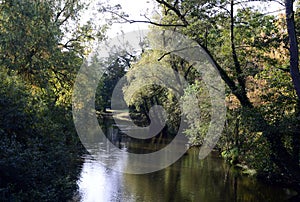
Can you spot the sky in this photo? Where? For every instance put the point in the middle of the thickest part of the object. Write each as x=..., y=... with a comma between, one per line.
x=136, y=8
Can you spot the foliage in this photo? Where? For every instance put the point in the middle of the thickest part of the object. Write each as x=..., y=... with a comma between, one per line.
x=196, y=96
x=42, y=46
x=116, y=66
x=248, y=49
x=145, y=71
x=37, y=162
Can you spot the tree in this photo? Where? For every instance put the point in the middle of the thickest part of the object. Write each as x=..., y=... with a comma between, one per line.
x=294, y=69
x=38, y=62
x=215, y=26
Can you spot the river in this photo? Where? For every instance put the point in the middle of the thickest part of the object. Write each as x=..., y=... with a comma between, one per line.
x=189, y=179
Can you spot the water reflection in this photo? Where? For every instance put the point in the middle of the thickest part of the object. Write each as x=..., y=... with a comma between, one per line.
x=98, y=183
x=189, y=179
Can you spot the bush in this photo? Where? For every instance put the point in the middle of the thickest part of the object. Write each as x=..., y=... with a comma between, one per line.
x=38, y=146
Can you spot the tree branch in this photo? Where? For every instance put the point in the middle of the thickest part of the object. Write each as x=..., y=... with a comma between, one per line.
x=175, y=10
x=244, y=100
x=263, y=1
x=67, y=6
x=126, y=20
x=173, y=51
x=60, y=13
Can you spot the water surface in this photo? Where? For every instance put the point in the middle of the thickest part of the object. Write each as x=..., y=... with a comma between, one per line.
x=189, y=179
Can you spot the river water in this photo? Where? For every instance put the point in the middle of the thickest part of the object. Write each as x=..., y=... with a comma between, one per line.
x=189, y=179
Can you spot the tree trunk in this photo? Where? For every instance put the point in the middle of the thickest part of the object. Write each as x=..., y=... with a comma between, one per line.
x=294, y=70
x=237, y=65
x=294, y=53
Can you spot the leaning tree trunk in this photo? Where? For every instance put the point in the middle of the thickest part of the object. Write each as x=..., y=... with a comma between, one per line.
x=294, y=70
x=294, y=53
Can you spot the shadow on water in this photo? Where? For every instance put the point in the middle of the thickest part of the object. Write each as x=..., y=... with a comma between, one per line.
x=189, y=179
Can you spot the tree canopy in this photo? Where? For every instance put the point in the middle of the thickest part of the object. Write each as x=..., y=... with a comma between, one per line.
x=256, y=54
x=44, y=43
